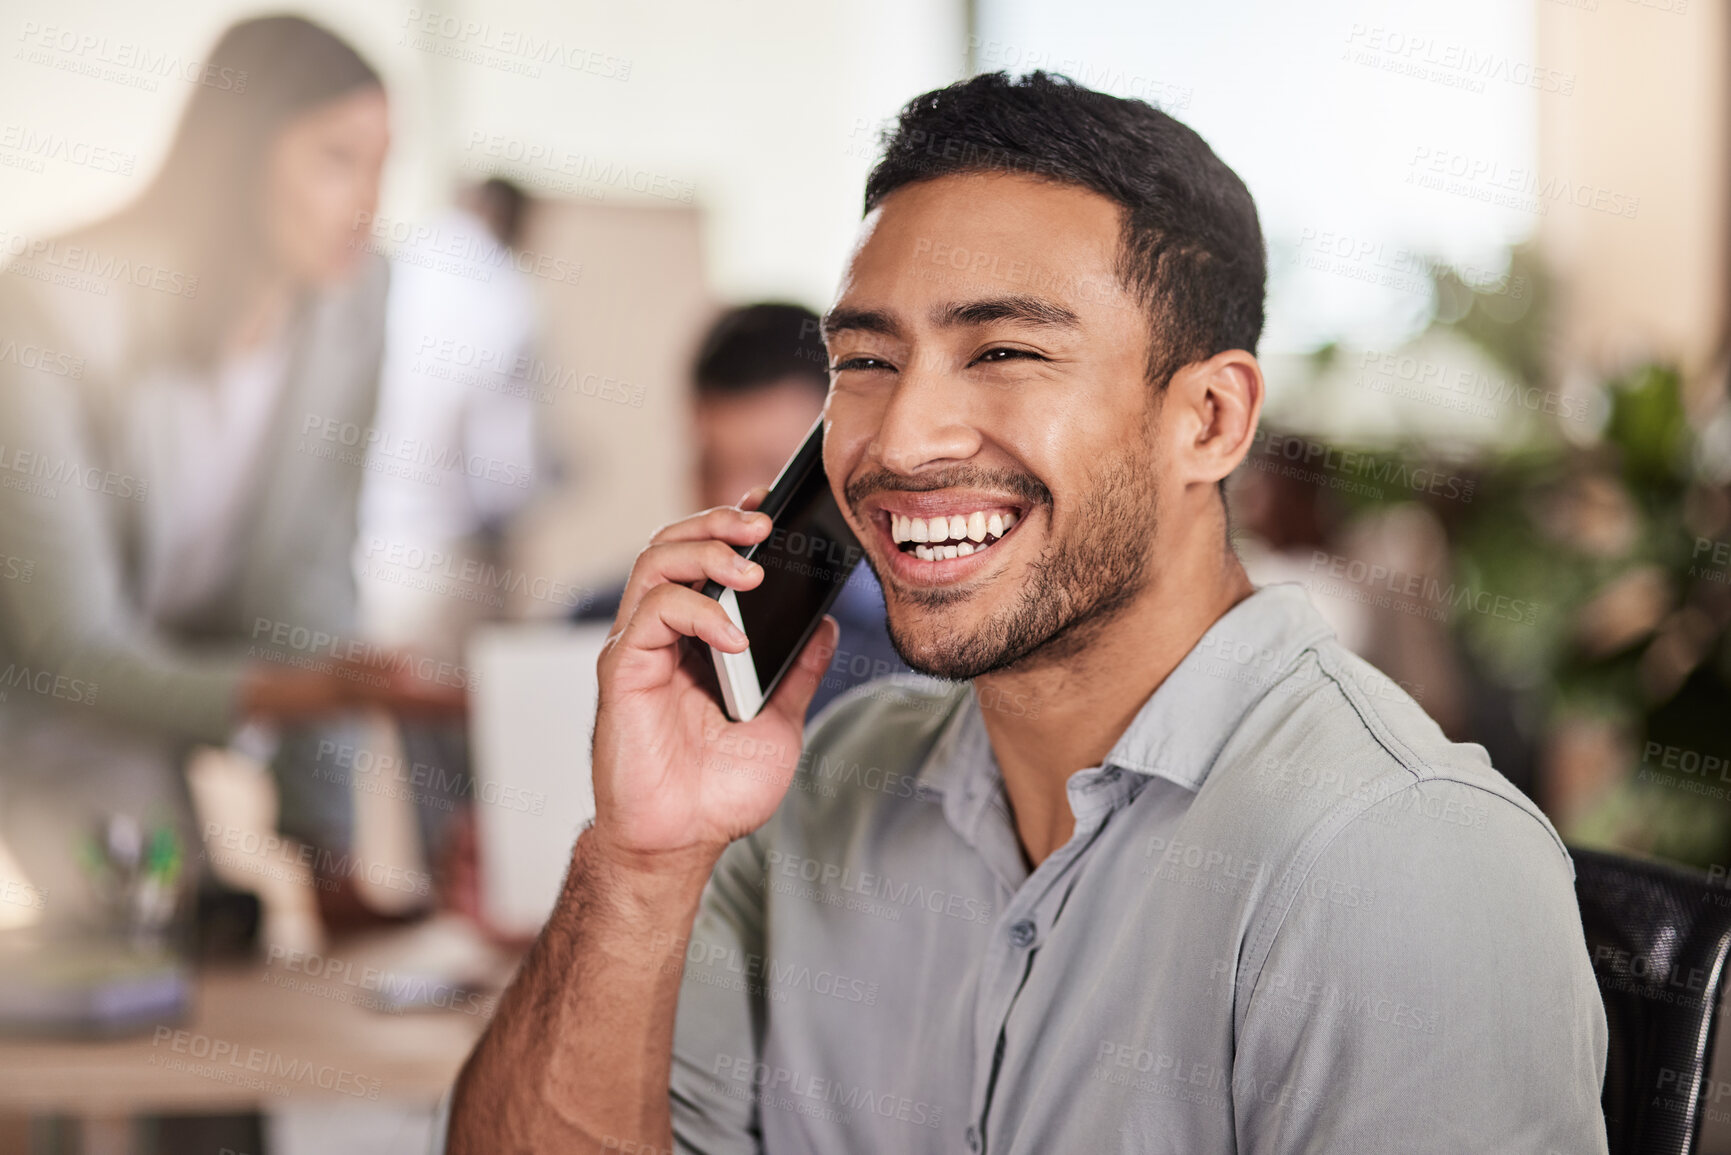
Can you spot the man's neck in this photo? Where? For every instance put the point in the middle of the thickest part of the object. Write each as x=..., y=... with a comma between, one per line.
x=1050, y=720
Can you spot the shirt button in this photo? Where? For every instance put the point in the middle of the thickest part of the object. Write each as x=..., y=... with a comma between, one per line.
x=1021, y=934
x=973, y=1137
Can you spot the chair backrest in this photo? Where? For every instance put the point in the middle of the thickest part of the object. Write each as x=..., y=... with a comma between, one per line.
x=1659, y=936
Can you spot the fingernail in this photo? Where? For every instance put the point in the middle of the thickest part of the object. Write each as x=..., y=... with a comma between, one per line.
x=734, y=633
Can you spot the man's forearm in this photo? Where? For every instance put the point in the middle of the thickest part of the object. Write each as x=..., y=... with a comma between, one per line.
x=578, y=1055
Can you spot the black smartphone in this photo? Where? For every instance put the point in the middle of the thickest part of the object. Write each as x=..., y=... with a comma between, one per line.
x=807, y=558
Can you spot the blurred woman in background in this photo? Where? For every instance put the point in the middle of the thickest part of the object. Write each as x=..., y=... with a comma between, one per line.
x=184, y=450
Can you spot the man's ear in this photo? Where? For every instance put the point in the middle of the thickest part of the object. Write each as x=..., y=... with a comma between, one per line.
x=1212, y=408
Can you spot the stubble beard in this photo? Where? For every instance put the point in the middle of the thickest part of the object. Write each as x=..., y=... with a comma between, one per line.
x=1075, y=589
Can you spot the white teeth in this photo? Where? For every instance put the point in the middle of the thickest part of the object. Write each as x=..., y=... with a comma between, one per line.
x=967, y=532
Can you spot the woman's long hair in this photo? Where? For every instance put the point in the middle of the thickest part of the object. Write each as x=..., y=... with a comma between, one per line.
x=203, y=214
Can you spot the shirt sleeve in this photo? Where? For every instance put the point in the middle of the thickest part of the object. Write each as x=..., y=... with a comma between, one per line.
x=718, y=1033
x=71, y=628
x=1428, y=990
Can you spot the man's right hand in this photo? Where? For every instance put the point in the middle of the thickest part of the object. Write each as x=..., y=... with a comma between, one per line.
x=675, y=779
x=579, y=1053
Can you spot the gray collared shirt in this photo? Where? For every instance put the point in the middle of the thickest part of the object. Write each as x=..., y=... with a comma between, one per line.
x=1292, y=917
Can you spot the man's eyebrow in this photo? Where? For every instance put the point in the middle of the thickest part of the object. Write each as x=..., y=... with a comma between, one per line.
x=863, y=320
x=1026, y=310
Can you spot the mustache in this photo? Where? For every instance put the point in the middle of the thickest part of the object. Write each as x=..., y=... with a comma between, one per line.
x=1025, y=486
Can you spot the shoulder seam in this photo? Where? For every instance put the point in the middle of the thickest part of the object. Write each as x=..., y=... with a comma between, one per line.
x=1260, y=942
x=1373, y=722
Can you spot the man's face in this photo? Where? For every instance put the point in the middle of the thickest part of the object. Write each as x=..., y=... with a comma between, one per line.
x=989, y=394
x=743, y=439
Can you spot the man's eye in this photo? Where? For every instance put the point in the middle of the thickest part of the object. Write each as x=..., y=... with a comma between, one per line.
x=1000, y=354
x=858, y=363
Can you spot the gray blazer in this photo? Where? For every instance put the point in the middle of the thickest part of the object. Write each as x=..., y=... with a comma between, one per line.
x=88, y=679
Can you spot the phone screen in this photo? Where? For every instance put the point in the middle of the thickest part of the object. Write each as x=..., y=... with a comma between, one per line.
x=806, y=560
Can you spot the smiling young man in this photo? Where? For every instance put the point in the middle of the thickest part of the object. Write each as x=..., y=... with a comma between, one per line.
x=1159, y=868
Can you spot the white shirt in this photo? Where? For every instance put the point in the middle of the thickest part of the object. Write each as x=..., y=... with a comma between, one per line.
x=455, y=422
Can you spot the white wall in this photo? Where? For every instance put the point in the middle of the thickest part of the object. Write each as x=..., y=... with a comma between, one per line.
x=753, y=104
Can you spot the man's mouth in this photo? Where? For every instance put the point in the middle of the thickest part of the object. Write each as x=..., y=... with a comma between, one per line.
x=941, y=537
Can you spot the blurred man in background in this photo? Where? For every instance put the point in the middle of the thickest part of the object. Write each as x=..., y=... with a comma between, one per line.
x=453, y=460
x=760, y=378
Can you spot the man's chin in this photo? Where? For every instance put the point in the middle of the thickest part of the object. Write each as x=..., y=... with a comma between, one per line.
x=952, y=653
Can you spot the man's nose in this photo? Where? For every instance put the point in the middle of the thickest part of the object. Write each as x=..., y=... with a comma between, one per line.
x=925, y=422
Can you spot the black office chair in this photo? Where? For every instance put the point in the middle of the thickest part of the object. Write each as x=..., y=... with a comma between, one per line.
x=1660, y=937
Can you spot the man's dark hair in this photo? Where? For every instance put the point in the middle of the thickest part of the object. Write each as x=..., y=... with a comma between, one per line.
x=756, y=345
x=1191, y=247
x=504, y=202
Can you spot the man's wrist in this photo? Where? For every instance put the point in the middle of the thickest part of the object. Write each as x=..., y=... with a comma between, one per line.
x=635, y=879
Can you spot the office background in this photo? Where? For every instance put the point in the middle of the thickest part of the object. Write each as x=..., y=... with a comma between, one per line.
x=1496, y=448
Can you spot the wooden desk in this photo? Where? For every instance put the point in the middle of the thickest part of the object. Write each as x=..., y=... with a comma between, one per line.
x=276, y=1044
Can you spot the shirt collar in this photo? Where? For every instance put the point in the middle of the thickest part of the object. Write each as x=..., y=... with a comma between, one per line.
x=1186, y=722
x=1181, y=728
